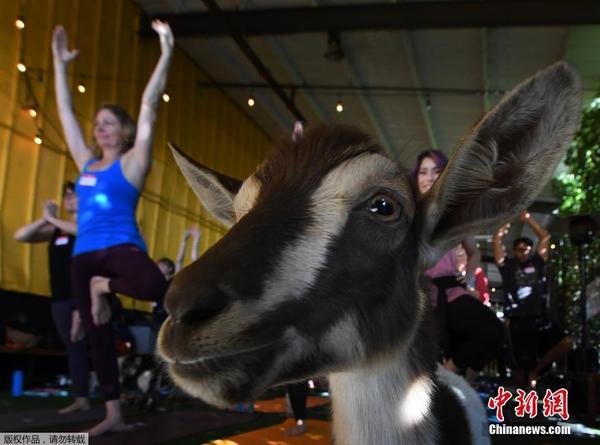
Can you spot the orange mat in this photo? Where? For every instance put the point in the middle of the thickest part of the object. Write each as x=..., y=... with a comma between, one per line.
x=279, y=405
x=319, y=433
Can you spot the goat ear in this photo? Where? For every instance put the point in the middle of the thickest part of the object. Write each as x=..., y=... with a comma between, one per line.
x=499, y=168
x=215, y=190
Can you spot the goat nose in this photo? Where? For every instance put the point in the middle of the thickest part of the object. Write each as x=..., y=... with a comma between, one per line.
x=194, y=306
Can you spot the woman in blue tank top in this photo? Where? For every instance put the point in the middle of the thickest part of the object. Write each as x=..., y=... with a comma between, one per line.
x=110, y=254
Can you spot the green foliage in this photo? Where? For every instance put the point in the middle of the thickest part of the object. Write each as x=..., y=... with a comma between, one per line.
x=565, y=281
x=578, y=189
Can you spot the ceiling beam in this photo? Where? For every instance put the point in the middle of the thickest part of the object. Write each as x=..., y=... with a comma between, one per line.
x=251, y=55
x=405, y=15
x=367, y=103
x=486, y=65
x=291, y=67
x=424, y=101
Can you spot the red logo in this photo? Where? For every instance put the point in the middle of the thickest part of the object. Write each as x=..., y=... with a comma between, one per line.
x=555, y=403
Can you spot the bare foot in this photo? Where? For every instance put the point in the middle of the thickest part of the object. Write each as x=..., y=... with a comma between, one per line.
x=100, y=308
x=80, y=404
x=77, y=331
x=297, y=430
x=108, y=425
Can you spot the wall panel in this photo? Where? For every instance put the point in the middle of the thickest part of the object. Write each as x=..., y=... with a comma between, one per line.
x=114, y=64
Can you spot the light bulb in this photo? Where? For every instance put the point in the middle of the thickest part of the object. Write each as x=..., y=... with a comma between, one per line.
x=81, y=88
x=166, y=97
x=32, y=112
x=339, y=107
x=37, y=139
x=21, y=67
x=20, y=23
x=251, y=101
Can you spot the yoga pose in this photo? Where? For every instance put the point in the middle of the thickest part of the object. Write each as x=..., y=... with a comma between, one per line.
x=320, y=272
x=535, y=340
x=110, y=254
x=60, y=236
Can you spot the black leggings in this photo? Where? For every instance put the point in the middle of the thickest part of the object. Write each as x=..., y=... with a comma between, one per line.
x=475, y=334
x=298, y=392
x=79, y=369
x=131, y=273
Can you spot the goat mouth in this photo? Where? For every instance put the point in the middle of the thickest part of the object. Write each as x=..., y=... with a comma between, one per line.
x=215, y=357
x=226, y=378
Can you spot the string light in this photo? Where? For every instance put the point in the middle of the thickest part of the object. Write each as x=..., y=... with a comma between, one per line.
x=339, y=107
x=21, y=66
x=251, y=101
x=38, y=139
x=81, y=87
x=20, y=23
x=32, y=112
x=165, y=97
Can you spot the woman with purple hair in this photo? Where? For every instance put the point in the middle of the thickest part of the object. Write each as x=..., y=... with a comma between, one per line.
x=470, y=333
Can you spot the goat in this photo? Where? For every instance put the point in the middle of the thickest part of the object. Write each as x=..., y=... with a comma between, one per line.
x=320, y=272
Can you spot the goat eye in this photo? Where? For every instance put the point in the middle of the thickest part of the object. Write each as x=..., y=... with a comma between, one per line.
x=384, y=207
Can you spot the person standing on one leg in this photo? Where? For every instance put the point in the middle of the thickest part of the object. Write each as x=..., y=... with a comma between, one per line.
x=536, y=341
x=110, y=253
x=60, y=236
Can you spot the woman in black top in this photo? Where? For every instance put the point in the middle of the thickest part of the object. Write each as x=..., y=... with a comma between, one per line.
x=60, y=235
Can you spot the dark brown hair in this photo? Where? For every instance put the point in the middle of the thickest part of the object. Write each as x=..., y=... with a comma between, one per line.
x=126, y=121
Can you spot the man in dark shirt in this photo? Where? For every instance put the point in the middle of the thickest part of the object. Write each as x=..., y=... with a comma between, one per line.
x=536, y=341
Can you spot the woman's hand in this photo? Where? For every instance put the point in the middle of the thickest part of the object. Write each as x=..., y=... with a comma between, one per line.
x=60, y=46
x=165, y=35
x=50, y=210
x=524, y=216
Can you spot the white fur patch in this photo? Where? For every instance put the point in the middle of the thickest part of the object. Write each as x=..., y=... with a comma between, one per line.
x=330, y=205
x=416, y=404
x=342, y=340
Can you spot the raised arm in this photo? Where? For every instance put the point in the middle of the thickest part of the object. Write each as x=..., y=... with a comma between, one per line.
x=195, y=234
x=181, y=252
x=542, y=234
x=62, y=56
x=473, y=258
x=498, y=244
x=195, y=243
x=138, y=160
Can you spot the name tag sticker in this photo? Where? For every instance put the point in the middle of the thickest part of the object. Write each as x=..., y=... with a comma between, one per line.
x=88, y=180
x=61, y=241
x=529, y=269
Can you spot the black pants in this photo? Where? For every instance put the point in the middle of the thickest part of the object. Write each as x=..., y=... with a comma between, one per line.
x=131, y=273
x=474, y=333
x=298, y=393
x=79, y=368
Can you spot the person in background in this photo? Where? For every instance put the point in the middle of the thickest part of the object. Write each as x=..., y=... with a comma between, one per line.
x=60, y=236
x=110, y=255
x=470, y=333
x=169, y=268
x=536, y=341
x=298, y=394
